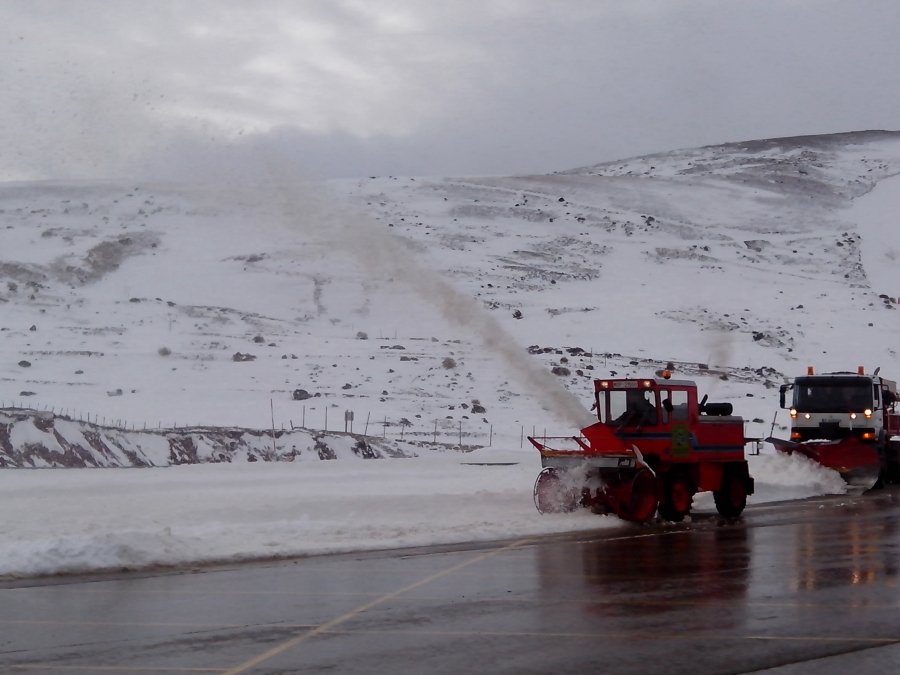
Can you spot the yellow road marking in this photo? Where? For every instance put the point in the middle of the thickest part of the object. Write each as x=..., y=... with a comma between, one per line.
x=353, y=613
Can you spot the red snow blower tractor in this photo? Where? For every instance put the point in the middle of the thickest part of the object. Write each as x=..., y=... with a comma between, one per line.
x=847, y=422
x=654, y=447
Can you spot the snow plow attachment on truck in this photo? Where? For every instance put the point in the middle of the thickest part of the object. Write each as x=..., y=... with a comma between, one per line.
x=857, y=462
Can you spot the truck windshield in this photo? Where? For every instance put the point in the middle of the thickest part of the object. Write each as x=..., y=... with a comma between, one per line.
x=854, y=396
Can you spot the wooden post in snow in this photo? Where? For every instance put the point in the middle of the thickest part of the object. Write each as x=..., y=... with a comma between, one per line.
x=274, y=448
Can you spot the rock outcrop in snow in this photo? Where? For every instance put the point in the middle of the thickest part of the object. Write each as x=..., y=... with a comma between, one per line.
x=33, y=439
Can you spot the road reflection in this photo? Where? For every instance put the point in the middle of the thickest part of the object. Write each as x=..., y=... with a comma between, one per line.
x=677, y=579
x=854, y=550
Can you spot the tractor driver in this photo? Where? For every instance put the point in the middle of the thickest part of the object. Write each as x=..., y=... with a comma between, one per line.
x=638, y=410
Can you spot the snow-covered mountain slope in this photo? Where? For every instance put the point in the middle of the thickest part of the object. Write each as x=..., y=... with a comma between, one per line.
x=744, y=257
x=465, y=310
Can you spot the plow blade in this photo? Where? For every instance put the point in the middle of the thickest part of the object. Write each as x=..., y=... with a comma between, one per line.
x=858, y=463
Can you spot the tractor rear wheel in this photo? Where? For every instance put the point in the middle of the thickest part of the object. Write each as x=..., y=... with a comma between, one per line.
x=551, y=496
x=677, y=499
x=731, y=497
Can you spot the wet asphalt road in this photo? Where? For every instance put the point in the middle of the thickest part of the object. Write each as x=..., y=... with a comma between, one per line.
x=801, y=587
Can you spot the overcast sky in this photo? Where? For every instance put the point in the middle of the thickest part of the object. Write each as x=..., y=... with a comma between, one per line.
x=429, y=87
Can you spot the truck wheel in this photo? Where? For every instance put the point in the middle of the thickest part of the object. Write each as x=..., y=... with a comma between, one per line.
x=731, y=497
x=890, y=471
x=677, y=499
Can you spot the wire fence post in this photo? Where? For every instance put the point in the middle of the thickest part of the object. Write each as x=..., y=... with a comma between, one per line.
x=272, y=410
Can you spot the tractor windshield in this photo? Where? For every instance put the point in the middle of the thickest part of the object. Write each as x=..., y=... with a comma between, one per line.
x=627, y=407
x=833, y=395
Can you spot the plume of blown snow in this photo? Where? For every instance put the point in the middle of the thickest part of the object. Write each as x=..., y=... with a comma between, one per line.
x=389, y=259
x=266, y=175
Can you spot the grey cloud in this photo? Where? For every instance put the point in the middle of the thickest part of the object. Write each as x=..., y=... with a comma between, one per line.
x=405, y=87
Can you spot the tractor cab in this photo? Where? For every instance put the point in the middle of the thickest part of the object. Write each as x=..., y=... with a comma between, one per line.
x=631, y=405
x=665, y=419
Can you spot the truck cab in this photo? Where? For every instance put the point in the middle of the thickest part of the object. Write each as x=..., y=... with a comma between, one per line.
x=832, y=406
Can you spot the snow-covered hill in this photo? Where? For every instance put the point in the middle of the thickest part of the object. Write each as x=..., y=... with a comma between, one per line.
x=457, y=310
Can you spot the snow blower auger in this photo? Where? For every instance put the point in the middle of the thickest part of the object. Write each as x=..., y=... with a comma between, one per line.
x=847, y=422
x=654, y=447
